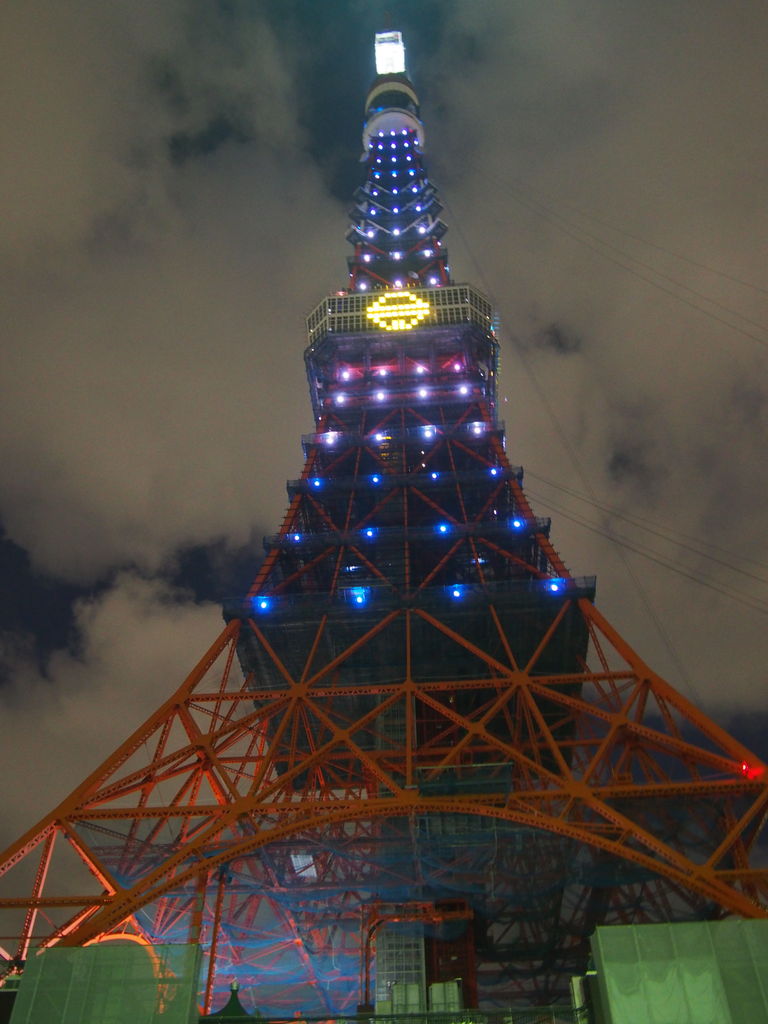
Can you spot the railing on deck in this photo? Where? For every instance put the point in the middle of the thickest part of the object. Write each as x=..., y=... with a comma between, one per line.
x=532, y=1015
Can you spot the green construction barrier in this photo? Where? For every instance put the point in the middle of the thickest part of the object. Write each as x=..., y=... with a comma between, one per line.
x=109, y=983
x=707, y=972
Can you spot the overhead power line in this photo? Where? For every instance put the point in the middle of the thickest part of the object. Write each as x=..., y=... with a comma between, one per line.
x=660, y=280
x=695, y=545
x=749, y=601
x=622, y=545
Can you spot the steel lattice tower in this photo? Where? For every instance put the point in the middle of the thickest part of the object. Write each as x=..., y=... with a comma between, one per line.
x=417, y=714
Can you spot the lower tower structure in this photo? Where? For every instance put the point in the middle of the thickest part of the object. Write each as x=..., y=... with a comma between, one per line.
x=416, y=731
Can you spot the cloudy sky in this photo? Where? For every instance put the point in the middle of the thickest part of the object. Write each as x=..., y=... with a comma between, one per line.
x=174, y=187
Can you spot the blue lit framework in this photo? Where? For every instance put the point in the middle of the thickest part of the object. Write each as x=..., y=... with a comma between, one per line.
x=406, y=434
x=396, y=228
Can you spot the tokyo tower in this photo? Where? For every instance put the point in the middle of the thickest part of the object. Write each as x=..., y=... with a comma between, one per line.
x=416, y=751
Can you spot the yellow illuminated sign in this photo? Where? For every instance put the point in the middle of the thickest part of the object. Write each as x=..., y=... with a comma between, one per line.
x=398, y=311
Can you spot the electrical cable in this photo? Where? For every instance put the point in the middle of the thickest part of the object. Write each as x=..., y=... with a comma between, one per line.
x=576, y=463
x=665, y=533
x=525, y=188
x=572, y=231
x=754, y=603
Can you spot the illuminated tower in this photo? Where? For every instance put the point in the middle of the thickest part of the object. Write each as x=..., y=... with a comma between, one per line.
x=416, y=745
x=396, y=227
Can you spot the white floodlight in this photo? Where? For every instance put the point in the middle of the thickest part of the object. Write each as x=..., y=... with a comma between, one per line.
x=390, y=53
x=303, y=864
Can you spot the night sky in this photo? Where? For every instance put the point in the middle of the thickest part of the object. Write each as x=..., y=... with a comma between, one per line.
x=175, y=186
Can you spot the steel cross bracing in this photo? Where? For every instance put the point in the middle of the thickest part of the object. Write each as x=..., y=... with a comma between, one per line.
x=402, y=712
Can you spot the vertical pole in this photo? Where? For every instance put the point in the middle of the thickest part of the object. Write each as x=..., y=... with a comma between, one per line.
x=223, y=877
x=31, y=916
x=196, y=918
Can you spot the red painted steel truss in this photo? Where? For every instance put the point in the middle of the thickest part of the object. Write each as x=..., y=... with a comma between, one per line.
x=223, y=779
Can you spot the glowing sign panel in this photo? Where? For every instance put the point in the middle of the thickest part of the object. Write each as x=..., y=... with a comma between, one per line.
x=390, y=53
x=398, y=311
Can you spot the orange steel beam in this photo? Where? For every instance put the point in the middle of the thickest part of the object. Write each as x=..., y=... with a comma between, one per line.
x=698, y=878
x=37, y=833
x=707, y=726
x=462, y=641
x=54, y=901
x=32, y=906
x=457, y=685
x=650, y=793
x=548, y=634
x=464, y=809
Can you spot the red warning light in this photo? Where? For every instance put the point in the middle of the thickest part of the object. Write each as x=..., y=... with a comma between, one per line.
x=752, y=771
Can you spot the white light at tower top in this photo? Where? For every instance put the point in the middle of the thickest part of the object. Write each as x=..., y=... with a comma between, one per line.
x=390, y=53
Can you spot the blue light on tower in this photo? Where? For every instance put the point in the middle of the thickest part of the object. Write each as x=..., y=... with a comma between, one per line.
x=261, y=604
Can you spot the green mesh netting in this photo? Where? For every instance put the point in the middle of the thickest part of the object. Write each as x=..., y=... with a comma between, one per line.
x=709, y=972
x=111, y=983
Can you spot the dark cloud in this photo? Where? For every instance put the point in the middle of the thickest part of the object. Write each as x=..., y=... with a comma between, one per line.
x=138, y=641
x=750, y=403
x=559, y=340
x=220, y=131
x=628, y=462
x=154, y=299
